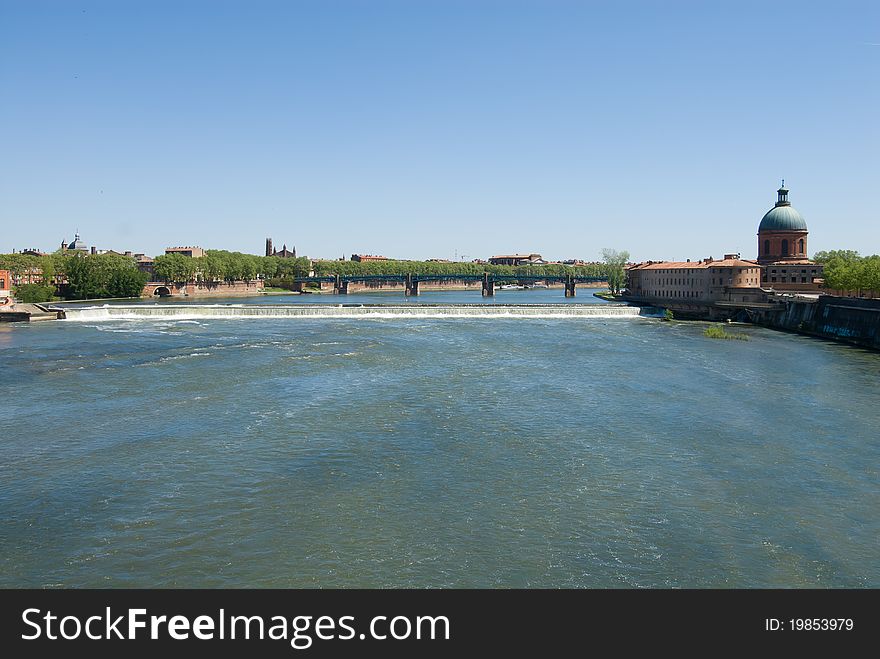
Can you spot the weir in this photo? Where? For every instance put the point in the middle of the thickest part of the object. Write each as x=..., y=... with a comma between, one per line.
x=202, y=311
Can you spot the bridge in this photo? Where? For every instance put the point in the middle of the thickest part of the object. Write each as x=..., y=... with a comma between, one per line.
x=411, y=281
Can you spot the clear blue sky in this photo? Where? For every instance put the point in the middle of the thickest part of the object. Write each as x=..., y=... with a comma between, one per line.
x=421, y=129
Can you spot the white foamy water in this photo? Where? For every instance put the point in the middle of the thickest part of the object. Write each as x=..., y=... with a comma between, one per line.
x=181, y=312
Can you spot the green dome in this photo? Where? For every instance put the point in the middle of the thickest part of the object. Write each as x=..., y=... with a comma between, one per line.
x=782, y=218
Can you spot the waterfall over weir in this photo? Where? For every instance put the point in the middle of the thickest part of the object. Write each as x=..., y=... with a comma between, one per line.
x=236, y=311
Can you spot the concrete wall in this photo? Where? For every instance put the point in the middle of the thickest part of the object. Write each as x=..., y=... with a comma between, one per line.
x=851, y=320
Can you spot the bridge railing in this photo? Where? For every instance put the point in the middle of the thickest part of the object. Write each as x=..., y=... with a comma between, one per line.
x=450, y=277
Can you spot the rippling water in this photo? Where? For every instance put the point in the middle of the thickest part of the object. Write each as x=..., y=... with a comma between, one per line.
x=434, y=452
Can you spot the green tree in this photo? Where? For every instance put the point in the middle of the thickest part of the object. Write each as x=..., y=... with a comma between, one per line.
x=34, y=293
x=126, y=282
x=102, y=276
x=615, y=264
x=845, y=270
x=175, y=267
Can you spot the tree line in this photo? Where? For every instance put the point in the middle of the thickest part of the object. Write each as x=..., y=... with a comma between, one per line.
x=220, y=265
x=845, y=270
x=74, y=276
x=392, y=267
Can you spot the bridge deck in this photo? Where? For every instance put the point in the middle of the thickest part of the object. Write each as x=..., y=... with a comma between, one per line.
x=494, y=278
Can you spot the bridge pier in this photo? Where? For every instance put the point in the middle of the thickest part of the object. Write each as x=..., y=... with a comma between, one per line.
x=411, y=286
x=488, y=286
x=340, y=287
x=570, y=287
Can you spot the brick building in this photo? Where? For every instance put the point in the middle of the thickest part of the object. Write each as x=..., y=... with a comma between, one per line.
x=192, y=252
x=730, y=279
x=5, y=283
x=282, y=253
x=782, y=249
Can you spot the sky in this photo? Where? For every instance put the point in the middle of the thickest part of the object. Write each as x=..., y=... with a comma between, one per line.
x=452, y=129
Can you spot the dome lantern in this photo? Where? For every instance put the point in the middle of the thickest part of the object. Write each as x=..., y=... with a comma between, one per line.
x=783, y=196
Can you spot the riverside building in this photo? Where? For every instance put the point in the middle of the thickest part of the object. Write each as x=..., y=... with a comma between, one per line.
x=731, y=279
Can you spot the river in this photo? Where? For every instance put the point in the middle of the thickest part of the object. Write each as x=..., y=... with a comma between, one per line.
x=431, y=451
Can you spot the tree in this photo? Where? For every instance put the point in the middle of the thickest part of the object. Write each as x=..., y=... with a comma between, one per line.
x=34, y=293
x=615, y=263
x=175, y=267
x=845, y=270
x=126, y=282
x=102, y=275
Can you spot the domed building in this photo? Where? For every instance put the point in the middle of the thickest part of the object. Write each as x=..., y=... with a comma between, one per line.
x=782, y=234
x=782, y=248
x=77, y=245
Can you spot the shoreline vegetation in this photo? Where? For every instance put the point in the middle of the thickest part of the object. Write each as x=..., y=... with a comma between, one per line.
x=716, y=331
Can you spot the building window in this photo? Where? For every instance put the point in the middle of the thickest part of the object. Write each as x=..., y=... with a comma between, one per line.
x=772, y=278
x=766, y=247
x=801, y=246
x=785, y=247
x=803, y=280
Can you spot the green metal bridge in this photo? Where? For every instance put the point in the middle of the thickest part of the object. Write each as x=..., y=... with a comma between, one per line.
x=411, y=281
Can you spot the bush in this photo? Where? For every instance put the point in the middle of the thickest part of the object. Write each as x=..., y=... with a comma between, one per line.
x=718, y=332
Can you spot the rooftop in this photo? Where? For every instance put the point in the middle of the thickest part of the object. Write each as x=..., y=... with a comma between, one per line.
x=696, y=265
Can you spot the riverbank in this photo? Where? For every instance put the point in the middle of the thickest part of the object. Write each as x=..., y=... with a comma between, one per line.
x=22, y=312
x=608, y=296
x=855, y=321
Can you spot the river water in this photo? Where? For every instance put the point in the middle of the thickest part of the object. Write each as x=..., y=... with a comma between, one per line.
x=427, y=450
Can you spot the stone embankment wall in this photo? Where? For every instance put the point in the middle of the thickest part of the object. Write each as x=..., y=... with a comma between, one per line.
x=851, y=320
x=204, y=289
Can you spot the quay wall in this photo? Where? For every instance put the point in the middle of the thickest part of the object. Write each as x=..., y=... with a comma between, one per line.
x=205, y=289
x=845, y=319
